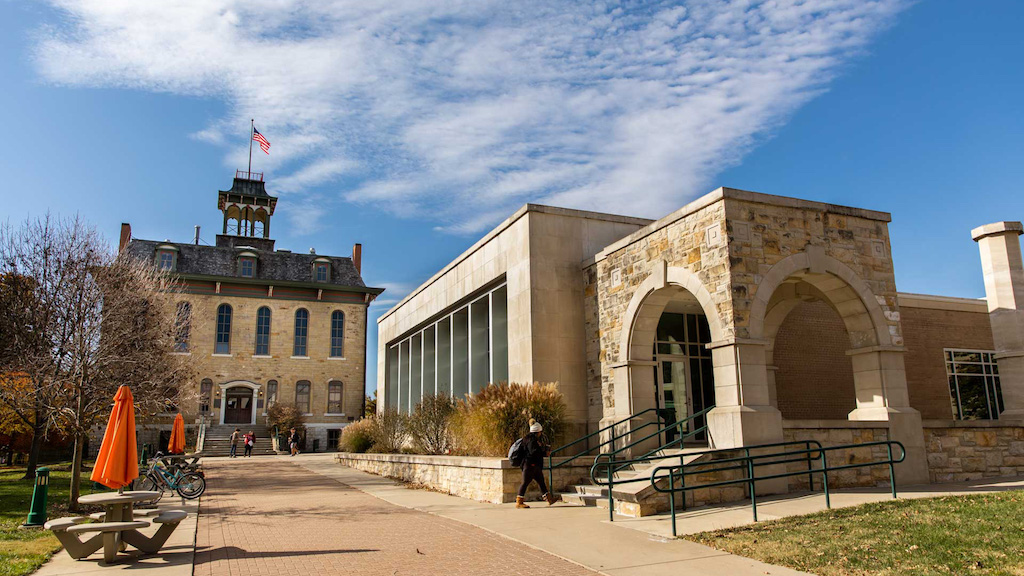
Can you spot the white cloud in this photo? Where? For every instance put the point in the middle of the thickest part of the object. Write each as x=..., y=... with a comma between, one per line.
x=460, y=111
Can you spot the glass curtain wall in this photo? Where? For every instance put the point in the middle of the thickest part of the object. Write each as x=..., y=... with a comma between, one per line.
x=459, y=353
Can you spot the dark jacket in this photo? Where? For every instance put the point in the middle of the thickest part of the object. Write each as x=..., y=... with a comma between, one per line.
x=535, y=450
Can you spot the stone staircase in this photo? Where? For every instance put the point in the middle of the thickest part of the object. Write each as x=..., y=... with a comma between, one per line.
x=218, y=440
x=634, y=499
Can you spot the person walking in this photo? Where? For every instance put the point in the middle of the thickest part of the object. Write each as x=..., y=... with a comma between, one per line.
x=235, y=436
x=293, y=442
x=250, y=441
x=534, y=450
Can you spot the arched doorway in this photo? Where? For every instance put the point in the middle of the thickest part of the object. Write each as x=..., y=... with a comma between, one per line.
x=239, y=402
x=668, y=368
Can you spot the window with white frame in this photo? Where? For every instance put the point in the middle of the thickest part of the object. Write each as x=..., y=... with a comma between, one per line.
x=301, y=332
x=975, y=393
x=302, y=396
x=165, y=260
x=334, y=404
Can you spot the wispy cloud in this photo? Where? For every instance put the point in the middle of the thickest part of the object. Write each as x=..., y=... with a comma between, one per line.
x=459, y=111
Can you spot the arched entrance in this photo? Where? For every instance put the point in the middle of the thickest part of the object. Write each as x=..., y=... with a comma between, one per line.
x=239, y=402
x=666, y=330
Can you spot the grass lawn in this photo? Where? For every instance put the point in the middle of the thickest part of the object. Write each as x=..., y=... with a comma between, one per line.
x=977, y=534
x=23, y=551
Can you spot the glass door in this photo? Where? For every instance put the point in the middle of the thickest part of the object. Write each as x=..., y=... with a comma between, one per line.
x=672, y=398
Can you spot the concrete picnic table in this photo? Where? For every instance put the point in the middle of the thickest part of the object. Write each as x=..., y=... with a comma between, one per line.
x=118, y=525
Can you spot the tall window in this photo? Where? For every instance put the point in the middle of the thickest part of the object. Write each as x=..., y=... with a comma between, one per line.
x=165, y=260
x=205, y=388
x=975, y=393
x=321, y=272
x=271, y=393
x=183, y=325
x=301, y=330
x=262, y=332
x=334, y=397
x=247, y=267
x=337, y=334
x=302, y=396
x=223, y=345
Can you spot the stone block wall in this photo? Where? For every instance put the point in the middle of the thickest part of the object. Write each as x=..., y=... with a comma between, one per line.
x=492, y=480
x=960, y=451
x=842, y=433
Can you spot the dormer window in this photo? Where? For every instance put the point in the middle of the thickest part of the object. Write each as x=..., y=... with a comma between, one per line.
x=166, y=257
x=247, y=267
x=321, y=270
x=247, y=264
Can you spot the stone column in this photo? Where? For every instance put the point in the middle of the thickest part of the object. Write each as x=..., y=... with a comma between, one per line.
x=743, y=413
x=880, y=379
x=1001, y=263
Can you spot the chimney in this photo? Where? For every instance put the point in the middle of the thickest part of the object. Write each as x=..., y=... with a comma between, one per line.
x=1002, y=265
x=357, y=257
x=196, y=241
x=126, y=236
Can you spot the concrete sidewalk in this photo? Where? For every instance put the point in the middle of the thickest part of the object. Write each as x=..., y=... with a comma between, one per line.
x=580, y=535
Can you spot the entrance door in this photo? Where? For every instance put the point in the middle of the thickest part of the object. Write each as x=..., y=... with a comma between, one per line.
x=672, y=386
x=238, y=406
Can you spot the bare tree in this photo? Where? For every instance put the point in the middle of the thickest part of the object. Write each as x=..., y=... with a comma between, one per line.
x=111, y=320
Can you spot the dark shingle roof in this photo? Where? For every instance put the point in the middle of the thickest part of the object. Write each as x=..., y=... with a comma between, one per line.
x=277, y=266
x=248, y=187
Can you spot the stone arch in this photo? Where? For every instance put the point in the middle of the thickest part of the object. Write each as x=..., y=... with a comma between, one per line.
x=223, y=393
x=634, y=374
x=879, y=376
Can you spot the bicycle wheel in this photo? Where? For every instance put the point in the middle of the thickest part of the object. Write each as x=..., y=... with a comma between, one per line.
x=149, y=484
x=191, y=486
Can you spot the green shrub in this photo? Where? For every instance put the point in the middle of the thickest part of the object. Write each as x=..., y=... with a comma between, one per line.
x=487, y=423
x=431, y=425
x=357, y=436
x=390, y=431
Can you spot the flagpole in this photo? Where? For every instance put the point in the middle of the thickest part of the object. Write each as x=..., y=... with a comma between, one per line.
x=252, y=126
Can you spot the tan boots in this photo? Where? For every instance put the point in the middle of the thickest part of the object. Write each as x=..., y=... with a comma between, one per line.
x=520, y=503
x=551, y=498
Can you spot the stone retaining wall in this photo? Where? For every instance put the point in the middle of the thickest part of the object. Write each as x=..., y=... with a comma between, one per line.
x=835, y=434
x=962, y=450
x=492, y=480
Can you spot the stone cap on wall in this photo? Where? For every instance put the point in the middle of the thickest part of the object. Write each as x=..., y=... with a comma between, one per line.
x=997, y=228
x=931, y=302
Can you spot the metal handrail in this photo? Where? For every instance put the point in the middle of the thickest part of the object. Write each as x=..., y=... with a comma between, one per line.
x=611, y=441
x=751, y=462
x=611, y=469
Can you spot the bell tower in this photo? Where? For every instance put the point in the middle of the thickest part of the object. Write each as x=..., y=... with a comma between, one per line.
x=247, y=209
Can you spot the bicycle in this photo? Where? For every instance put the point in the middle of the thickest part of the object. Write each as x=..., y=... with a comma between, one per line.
x=161, y=477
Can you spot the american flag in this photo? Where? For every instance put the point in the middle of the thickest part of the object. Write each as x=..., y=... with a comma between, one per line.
x=264, y=143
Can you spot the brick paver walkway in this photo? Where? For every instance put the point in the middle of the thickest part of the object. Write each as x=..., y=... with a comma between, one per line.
x=269, y=517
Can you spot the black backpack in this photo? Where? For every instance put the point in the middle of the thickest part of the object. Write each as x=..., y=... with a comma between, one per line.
x=517, y=453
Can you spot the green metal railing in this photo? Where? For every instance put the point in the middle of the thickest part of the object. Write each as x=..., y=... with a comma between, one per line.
x=615, y=465
x=612, y=466
x=613, y=438
x=751, y=462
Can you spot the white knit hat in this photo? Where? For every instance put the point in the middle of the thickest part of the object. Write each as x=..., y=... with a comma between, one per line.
x=535, y=427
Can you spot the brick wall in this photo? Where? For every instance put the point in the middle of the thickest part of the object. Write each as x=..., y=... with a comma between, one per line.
x=814, y=379
x=926, y=332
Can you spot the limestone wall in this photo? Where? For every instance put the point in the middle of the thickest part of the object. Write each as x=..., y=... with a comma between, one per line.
x=492, y=480
x=961, y=450
x=836, y=434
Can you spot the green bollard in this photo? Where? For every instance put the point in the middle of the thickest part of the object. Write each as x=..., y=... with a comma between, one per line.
x=37, y=514
x=144, y=456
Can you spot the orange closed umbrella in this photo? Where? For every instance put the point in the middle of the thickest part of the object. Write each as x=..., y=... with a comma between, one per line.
x=118, y=461
x=177, y=443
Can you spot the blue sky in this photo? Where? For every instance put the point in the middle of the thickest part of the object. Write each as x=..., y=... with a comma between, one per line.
x=415, y=128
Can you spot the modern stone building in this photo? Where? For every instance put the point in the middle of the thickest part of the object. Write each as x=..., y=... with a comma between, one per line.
x=269, y=325
x=781, y=314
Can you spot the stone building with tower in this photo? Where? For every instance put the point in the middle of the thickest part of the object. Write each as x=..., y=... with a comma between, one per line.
x=269, y=325
x=780, y=315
